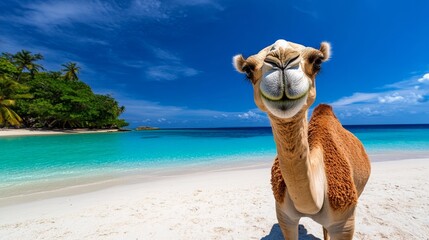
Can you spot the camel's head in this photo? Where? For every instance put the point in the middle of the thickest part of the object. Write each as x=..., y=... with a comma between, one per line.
x=283, y=76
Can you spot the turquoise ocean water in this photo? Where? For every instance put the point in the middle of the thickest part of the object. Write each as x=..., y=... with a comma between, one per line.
x=43, y=159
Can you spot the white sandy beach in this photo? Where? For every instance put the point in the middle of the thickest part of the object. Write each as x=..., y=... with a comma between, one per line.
x=235, y=204
x=5, y=132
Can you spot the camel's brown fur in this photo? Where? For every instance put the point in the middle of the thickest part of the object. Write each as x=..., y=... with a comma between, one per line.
x=277, y=183
x=326, y=131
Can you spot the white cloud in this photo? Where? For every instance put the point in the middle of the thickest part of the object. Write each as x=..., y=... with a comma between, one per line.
x=368, y=111
x=94, y=41
x=425, y=78
x=397, y=100
x=408, y=96
x=168, y=67
x=148, y=9
x=144, y=111
x=168, y=72
x=250, y=115
x=160, y=120
x=355, y=98
x=164, y=54
x=148, y=109
x=211, y=3
x=50, y=14
x=395, y=97
x=54, y=15
x=135, y=63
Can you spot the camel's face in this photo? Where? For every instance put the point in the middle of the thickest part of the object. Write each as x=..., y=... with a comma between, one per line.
x=283, y=76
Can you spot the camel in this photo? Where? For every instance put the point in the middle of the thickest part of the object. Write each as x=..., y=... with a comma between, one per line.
x=321, y=168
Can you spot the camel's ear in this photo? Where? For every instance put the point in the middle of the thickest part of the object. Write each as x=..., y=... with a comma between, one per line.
x=325, y=48
x=238, y=62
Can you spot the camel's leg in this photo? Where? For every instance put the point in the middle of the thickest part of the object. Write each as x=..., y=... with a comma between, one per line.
x=343, y=230
x=288, y=226
x=325, y=234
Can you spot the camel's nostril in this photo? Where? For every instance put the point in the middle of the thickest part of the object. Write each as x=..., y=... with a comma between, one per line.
x=274, y=62
x=283, y=59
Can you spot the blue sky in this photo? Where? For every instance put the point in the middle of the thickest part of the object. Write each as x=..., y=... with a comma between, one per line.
x=169, y=62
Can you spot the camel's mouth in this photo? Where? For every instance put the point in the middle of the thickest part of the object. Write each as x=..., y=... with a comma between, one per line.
x=284, y=91
x=285, y=108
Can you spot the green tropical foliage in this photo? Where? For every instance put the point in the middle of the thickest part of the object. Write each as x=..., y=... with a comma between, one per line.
x=70, y=70
x=6, y=66
x=10, y=91
x=24, y=60
x=49, y=99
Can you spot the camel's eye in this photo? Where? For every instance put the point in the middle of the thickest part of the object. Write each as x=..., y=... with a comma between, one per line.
x=317, y=62
x=246, y=68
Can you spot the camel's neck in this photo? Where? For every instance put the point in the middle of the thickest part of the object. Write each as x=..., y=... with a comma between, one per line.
x=302, y=170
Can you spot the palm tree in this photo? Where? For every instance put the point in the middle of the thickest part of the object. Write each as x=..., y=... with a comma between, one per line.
x=8, y=56
x=71, y=70
x=9, y=92
x=7, y=115
x=24, y=60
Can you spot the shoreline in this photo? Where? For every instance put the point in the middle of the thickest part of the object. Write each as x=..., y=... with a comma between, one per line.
x=41, y=190
x=235, y=204
x=81, y=184
x=8, y=132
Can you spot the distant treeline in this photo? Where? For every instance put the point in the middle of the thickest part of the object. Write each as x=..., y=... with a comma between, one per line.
x=33, y=97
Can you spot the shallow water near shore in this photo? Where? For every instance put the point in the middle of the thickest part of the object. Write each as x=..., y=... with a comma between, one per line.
x=34, y=163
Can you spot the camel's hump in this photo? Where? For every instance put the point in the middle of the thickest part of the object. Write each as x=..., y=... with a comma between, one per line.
x=323, y=109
